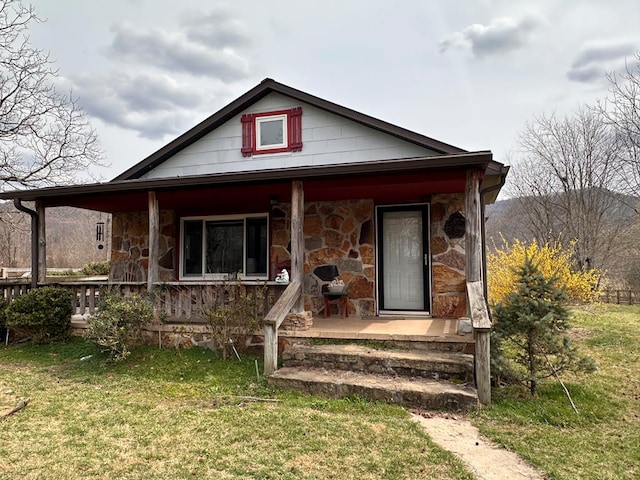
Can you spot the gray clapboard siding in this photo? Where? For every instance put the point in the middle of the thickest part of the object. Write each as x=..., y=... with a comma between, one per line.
x=328, y=139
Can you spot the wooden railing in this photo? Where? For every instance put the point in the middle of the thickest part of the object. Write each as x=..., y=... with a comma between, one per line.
x=175, y=302
x=621, y=297
x=13, y=289
x=273, y=320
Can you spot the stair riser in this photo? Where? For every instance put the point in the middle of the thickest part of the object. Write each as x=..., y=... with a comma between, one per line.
x=449, y=401
x=436, y=370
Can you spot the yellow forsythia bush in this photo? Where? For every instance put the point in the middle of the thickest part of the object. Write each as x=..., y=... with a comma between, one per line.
x=581, y=286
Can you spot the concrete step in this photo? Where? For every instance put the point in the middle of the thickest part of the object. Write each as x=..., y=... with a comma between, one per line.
x=414, y=392
x=435, y=365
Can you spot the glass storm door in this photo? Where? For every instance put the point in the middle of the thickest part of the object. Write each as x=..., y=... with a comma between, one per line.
x=403, y=258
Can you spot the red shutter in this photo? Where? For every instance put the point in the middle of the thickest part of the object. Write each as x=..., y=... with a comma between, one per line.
x=295, y=129
x=247, y=135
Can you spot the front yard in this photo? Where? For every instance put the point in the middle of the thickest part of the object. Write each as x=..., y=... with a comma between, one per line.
x=173, y=414
x=603, y=440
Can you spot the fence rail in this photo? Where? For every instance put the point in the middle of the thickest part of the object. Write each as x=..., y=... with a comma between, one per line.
x=175, y=302
x=620, y=297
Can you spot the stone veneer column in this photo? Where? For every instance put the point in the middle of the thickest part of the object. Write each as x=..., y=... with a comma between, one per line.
x=130, y=246
x=448, y=256
x=336, y=233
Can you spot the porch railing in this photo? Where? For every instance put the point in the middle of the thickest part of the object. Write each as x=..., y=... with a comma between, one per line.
x=272, y=322
x=175, y=302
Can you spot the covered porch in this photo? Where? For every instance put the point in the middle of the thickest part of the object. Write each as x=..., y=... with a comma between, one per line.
x=413, y=181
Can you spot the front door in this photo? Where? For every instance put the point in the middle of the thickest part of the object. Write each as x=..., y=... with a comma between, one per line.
x=403, y=259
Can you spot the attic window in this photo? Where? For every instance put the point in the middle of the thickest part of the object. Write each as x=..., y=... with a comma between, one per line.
x=272, y=132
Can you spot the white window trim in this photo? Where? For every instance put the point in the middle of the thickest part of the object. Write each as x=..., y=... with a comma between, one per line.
x=269, y=118
x=222, y=276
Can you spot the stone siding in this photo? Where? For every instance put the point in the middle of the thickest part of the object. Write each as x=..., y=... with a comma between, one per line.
x=335, y=233
x=448, y=258
x=130, y=246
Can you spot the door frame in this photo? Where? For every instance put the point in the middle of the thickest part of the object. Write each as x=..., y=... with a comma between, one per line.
x=425, y=208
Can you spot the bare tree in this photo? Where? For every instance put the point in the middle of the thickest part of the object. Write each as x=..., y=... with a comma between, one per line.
x=621, y=111
x=14, y=236
x=565, y=182
x=45, y=137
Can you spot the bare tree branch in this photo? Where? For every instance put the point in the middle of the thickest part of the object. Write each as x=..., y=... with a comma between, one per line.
x=566, y=181
x=45, y=137
x=621, y=111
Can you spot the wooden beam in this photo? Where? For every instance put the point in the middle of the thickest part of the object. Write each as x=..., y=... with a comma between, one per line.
x=478, y=306
x=154, y=240
x=42, y=243
x=475, y=286
x=473, y=234
x=297, y=239
x=270, y=349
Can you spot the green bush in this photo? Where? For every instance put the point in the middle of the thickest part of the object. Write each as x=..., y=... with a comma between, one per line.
x=96, y=268
x=3, y=315
x=43, y=314
x=234, y=313
x=530, y=335
x=118, y=323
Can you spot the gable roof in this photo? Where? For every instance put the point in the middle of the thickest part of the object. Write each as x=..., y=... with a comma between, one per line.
x=263, y=89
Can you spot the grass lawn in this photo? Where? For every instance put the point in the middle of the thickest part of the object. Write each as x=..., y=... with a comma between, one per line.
x=603, y=440
x=176, y=414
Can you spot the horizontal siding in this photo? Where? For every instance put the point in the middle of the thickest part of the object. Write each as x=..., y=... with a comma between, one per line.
x=328, y=139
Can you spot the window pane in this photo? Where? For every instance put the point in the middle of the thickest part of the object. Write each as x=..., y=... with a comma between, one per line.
x=256, y=246
x=271, y=132
x=192, y=247
x=224, y=246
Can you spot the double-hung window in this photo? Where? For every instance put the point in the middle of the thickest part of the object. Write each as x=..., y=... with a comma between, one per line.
x=216, y=247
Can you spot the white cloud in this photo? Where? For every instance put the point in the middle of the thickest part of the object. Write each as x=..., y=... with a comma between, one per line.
x=152, y=105
x=175, y=51
x=162, y=81
x=217, y=29
x=503, y=34
x=595, y=59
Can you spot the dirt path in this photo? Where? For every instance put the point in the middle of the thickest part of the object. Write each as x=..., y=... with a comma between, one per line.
x=486, y=460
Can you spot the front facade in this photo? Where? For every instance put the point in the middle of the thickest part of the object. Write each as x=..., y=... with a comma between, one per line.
x=280, y=179
x=395, y=235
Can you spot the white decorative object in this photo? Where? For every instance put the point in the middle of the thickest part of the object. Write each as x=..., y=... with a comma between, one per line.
x=282, y=277
x=336, y=286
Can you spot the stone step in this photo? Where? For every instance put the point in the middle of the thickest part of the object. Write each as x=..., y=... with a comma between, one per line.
x=435, y=365
x=413, y=392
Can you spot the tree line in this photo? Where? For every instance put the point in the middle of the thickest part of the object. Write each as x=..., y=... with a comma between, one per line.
x=575, y=179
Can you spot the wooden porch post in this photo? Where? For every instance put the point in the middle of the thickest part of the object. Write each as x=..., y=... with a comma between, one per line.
x=480, y=321
x=42, y=243
x=154, y=240
x=297, y=239
x=293, y=297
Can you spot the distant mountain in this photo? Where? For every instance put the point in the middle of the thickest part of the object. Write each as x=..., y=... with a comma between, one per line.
x=71, y=237
x=506, y=217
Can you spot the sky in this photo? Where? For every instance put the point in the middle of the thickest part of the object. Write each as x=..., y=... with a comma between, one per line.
x=470, y=73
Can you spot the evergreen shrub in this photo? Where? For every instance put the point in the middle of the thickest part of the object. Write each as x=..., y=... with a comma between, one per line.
x=43, y=314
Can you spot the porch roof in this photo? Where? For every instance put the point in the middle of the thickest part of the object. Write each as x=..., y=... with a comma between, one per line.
x=409, y=176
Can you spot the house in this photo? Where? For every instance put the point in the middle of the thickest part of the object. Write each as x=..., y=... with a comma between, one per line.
x=280, y=177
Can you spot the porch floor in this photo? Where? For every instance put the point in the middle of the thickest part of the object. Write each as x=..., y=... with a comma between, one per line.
x=419, y=329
